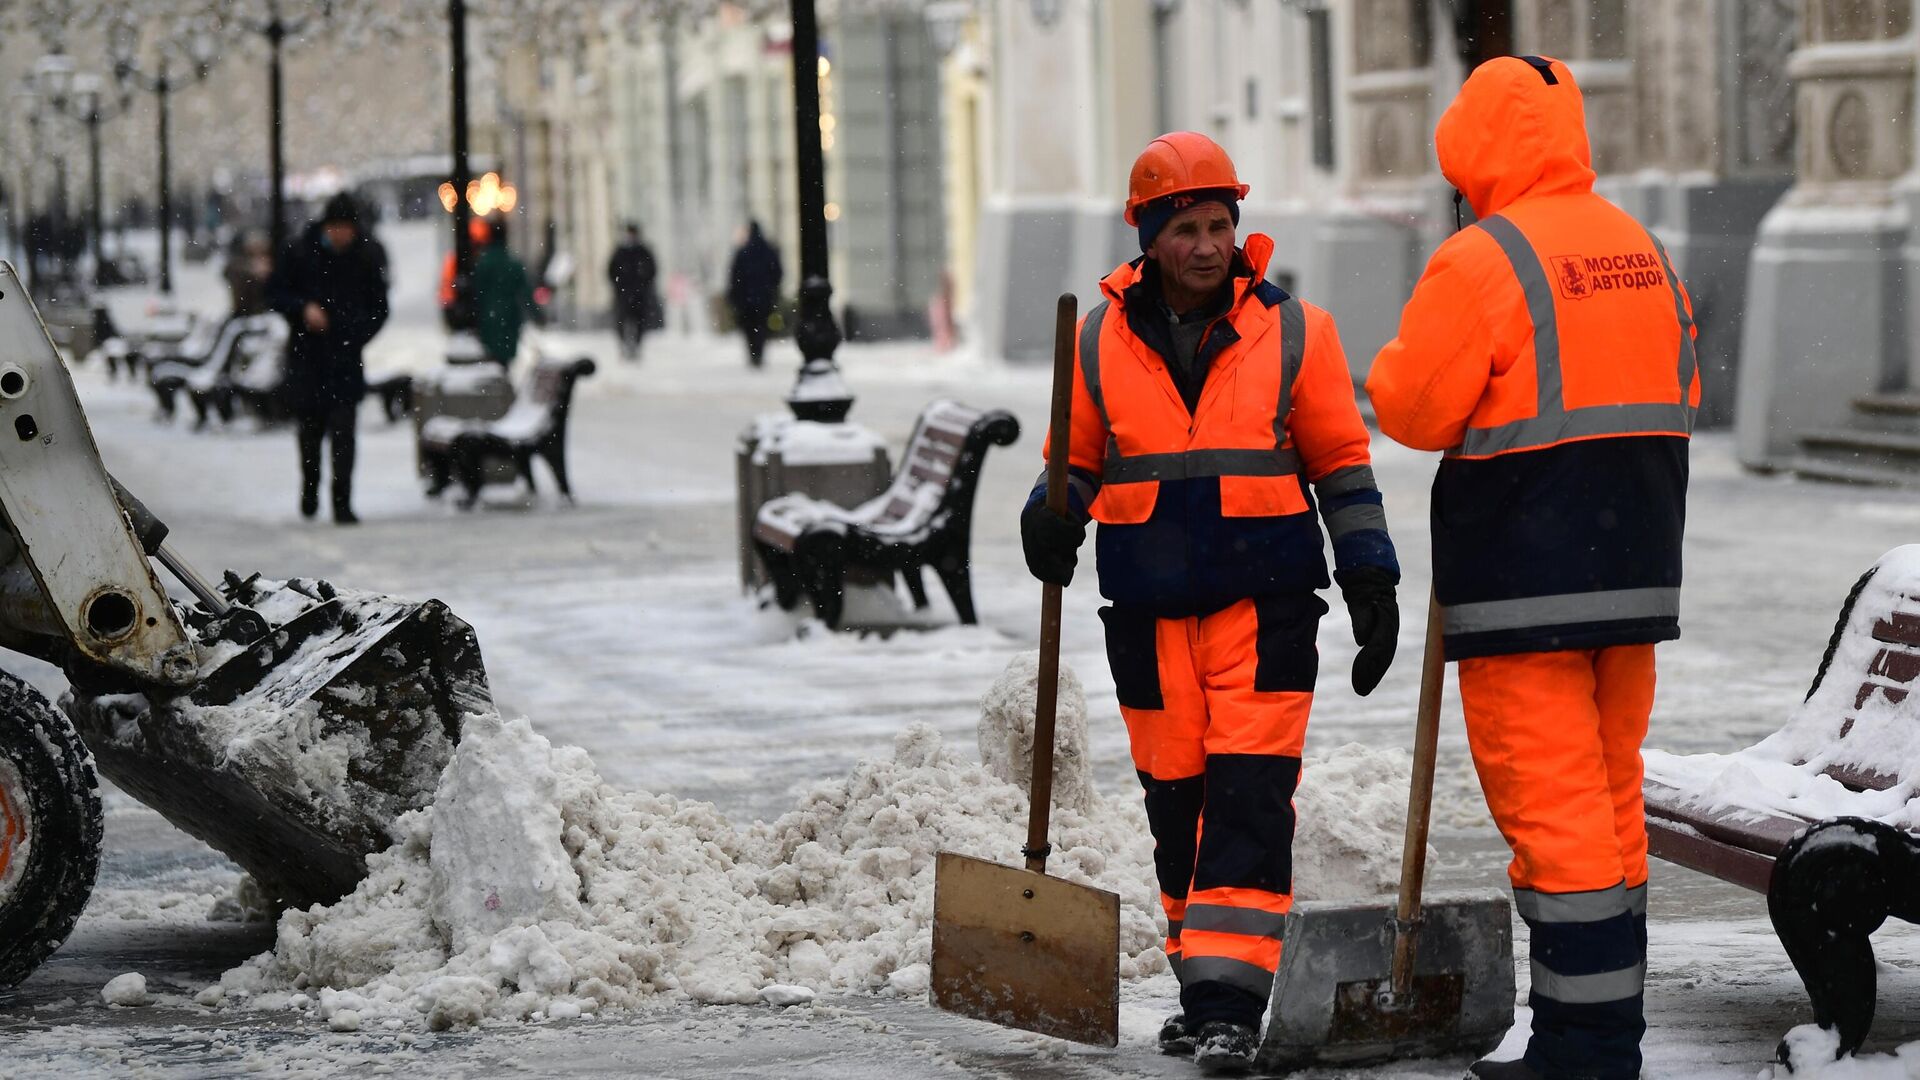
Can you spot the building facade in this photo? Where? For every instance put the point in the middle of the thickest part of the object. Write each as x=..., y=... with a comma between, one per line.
x=978, y=152
x=687, y=129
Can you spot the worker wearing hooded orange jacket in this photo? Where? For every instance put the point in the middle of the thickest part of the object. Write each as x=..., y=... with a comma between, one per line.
x=1206, y=401
x=1548, y=349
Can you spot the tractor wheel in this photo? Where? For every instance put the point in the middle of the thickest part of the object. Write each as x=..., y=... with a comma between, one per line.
x=49, y=829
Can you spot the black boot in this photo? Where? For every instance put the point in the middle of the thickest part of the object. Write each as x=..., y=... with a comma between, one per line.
x=1175, y=1036
x=309, y=503
x=1226, y=1048
x=343, y=514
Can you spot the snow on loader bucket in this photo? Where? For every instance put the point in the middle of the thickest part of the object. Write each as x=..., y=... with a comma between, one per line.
x=294, y=756
x=285, y=724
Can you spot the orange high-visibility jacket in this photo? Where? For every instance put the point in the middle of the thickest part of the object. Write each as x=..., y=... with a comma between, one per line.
x=1548, y=350
x=1201, y=509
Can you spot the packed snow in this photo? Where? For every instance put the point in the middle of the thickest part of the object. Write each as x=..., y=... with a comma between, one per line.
x=618, y=625
x=531, y=887
x=129, y=990
x=1856, y=718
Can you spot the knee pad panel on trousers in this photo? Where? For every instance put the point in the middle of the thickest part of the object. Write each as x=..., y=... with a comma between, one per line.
x=1173, y=815
x=1133, y=657
x=1288, y=659
x=1247, y=839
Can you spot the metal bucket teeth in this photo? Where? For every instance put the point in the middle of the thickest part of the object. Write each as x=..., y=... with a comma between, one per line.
x=295, y=754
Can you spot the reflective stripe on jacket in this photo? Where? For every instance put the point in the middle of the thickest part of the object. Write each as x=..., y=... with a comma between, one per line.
x=1548, y=350
x=1201, y=509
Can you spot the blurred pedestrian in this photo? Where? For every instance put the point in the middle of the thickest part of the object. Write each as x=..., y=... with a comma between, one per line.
x=457, y=311
x=249, y=264
x=502, y=297
x=330, y=284
x=753, y=287
x=636, y=305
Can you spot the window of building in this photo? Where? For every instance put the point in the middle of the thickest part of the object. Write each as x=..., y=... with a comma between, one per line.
x=1320, y=90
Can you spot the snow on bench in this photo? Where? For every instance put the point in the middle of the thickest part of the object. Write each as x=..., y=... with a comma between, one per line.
x=456, y=448
x=208, y=377
x=1852, y=749
x=923, y=519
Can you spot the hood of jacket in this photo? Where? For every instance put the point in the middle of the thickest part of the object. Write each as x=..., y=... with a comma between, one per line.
x=1511, y=135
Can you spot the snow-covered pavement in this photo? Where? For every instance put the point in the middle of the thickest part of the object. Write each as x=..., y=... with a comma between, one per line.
x=618, y=625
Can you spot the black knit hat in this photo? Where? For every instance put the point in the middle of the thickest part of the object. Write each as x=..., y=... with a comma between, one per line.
x=341, y=207
x=1154, y=216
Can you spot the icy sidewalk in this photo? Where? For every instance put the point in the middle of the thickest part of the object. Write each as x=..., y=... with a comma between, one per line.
x=618, y=626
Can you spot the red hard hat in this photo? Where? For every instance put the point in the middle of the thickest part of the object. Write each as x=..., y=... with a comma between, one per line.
x=1175, y=162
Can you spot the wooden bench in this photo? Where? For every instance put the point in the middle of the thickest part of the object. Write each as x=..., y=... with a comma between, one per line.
x=923, y=520
x=207, y=378
x=1823, y=805
x=461, y=450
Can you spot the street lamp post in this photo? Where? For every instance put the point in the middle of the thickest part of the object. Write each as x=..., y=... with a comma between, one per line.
x=276, y=30
x=819, y=393
x=462, y=168
x=87, y=93
x=200, y=50
x=52, y=74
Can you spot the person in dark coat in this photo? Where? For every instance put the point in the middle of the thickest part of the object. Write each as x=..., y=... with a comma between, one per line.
x=632, y=272
x=502, y=297
x=753, y=288
x=330, y=285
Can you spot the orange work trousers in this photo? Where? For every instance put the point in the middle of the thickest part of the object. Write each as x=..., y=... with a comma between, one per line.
x=1216, y=709
x=1556, y=740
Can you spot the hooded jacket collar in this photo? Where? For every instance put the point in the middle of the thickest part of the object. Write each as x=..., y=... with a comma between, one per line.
x=1512, y=135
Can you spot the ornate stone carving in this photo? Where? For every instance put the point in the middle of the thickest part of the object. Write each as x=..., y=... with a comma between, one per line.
x=1847, y=135
x=1392, y=35
x=1764, y=33
x=1386, y=142
x=1860, y=20
x=1607, y=29
x=1556, y=29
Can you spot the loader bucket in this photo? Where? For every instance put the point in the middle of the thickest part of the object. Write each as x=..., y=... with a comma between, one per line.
x=295, y=752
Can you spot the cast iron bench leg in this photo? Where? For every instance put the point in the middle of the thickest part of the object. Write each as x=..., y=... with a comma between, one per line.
x=1832, y=887
x=916, y=587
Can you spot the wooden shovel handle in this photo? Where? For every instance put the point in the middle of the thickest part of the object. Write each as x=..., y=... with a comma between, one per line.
x=1059, y=435
x=1413, y=857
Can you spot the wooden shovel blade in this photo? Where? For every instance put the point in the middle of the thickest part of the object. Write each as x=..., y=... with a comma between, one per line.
x=1025, y=950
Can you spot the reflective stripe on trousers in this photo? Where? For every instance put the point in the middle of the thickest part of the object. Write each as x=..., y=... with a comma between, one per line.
x=1556, y=739
x=1216, y=710
x=1592, y=953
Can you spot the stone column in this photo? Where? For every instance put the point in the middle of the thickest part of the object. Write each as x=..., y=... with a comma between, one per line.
x=1698, y=146
x=1364, y=264
x=1826, y=308
x=1026, y=235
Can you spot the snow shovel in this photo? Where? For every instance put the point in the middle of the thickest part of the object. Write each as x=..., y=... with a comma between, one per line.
x=1367, y=983
x=1014, y=946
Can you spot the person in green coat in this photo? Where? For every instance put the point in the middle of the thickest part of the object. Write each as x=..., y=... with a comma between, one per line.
x=502, y=297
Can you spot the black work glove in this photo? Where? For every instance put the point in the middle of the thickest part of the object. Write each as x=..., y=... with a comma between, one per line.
x=1050, y=542
x=1376, y=623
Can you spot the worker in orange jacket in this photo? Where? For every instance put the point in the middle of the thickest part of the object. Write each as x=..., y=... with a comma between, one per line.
x=1211, y=411
x=1549, y=351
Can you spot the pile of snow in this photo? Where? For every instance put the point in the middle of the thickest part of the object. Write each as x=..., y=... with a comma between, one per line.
x=1859, y=718
x=1006, y=731
x=1810, y=1051
x=129, y=990
x=530, y=888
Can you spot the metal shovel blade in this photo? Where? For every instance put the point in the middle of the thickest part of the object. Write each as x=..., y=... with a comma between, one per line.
x=295, y=756
x=1025, y=950
x=1330, y=1005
